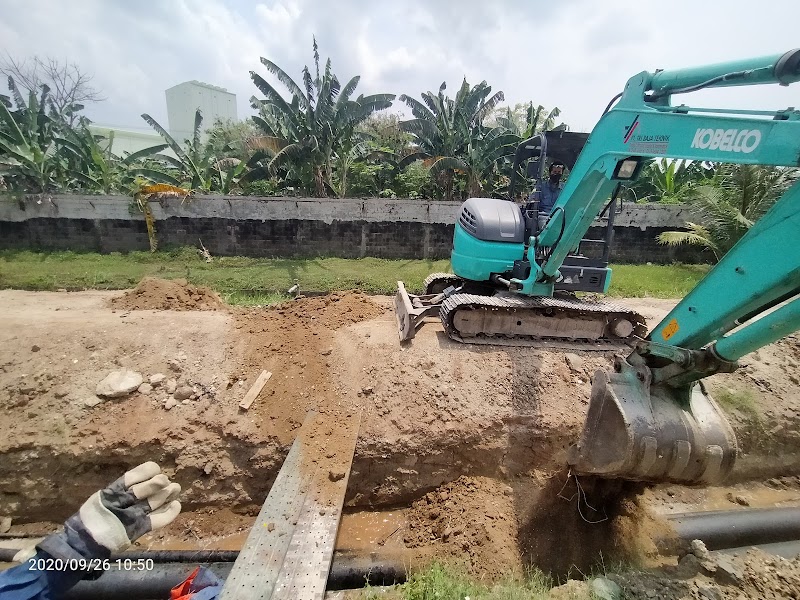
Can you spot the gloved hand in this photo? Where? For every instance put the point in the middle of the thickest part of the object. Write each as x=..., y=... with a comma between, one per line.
x=140, y=501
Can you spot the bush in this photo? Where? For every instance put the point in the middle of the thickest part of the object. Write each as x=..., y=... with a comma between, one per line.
x=262, y=187
x=415, y=182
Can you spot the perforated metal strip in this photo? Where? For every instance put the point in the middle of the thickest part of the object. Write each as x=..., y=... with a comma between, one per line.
x=289, y=550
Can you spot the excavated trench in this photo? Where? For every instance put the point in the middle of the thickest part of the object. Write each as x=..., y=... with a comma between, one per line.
x=450, y=434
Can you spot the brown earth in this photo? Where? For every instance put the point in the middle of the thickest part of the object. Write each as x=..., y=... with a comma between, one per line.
x=164, y=294
x=471, y=519
x=432, y=412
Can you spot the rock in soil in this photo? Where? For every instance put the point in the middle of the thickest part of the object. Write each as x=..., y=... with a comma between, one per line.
x=92, y=402
x=575, y=362
x=184, y=392
x=157, y=379
x=119, y=383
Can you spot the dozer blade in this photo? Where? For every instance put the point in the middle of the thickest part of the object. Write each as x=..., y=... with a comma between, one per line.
x=403, y=313
x=411, y=310
x=655, y=433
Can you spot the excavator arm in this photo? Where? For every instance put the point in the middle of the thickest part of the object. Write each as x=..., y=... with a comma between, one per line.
x=652, y=419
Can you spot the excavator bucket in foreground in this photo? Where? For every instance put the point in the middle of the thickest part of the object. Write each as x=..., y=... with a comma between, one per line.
x=654, y=433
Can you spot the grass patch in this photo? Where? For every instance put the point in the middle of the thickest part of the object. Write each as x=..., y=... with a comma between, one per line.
x=744, y=401
x=655, y=281
x=449, y=582
x=240, y=280
x=249, y=281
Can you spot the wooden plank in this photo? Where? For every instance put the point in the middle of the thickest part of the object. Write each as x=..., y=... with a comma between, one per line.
x=255, y=390
x=290, y=547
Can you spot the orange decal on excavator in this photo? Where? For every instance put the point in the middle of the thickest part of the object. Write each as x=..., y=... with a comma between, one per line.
x=670, y=330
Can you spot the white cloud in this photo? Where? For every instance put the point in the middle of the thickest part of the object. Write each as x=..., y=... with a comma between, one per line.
x=575, y=54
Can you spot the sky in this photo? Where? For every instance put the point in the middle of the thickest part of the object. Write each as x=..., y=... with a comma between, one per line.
x=574, y=54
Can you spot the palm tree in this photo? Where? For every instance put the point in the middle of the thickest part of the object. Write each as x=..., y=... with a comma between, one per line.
x=735, y=198
x=444, y=128
x=316, y=126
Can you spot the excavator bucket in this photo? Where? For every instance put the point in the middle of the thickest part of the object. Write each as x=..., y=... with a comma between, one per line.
x=654, y=433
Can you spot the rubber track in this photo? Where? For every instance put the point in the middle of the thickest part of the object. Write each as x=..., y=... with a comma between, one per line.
x=433, y=277
x=537, y=304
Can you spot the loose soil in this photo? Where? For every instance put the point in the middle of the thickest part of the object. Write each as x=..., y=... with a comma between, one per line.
x=466, y=431
x=164, y=294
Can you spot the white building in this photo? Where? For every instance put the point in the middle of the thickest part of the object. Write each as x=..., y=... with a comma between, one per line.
x=128, y=141
x=183, y=100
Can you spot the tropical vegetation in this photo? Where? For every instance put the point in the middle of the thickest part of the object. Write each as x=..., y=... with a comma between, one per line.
x=728, y=203
x=317, y=136
x=320, y=137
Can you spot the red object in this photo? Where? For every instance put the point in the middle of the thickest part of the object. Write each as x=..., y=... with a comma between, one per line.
x=183, y=591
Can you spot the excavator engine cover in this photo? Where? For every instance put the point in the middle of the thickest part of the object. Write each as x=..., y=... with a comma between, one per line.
x=643, y=432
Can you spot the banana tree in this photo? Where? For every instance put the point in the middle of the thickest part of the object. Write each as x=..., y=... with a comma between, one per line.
x=194, y=164
x=480, y=158
x=536, y=120
x=316, y=126
x=229, y=172
x=94, y=164
x=444, y=128
x=28, y=151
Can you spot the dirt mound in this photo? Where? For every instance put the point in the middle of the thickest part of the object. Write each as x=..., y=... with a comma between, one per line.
x=163, y=294
x=768, y=576
x=470, y=519
x=332, y=311
x=754, y=575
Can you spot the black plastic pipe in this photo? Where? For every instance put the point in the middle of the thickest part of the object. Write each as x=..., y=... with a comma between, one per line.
x=735, y=528
x=172, y=567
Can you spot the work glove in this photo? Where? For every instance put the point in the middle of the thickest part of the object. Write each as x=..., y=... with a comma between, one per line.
x=140, y=501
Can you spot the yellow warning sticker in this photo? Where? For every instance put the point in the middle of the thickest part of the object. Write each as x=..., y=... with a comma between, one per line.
x=670, y=330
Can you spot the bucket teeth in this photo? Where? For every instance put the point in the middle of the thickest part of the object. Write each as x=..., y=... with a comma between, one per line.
x=655, y=433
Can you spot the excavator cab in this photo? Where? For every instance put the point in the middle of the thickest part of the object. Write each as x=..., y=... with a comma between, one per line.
x=579, y=273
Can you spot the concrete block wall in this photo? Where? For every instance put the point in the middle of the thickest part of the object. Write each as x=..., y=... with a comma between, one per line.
x=291, y=227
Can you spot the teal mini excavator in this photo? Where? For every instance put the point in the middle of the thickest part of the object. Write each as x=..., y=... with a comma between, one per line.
x=651, y=419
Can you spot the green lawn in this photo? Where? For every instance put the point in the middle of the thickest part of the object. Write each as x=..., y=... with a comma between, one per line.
x=256, y=280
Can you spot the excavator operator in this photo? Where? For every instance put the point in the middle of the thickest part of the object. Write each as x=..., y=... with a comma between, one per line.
x=547, y=192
